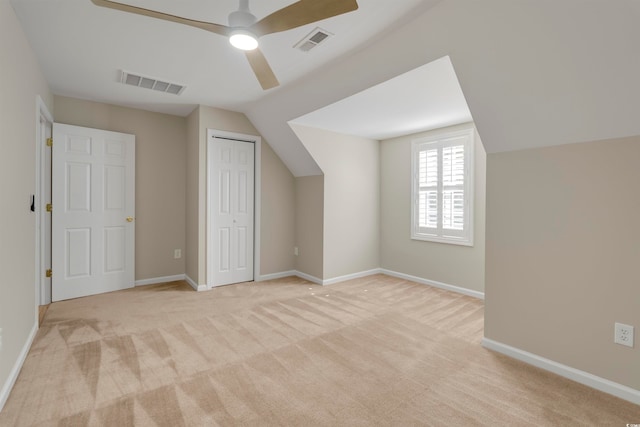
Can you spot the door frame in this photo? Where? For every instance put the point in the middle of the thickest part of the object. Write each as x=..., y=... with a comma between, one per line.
x=257, y=141
x=43, y=290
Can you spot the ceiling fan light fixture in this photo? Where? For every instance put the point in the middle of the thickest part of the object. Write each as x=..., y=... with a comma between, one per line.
x=243, y=40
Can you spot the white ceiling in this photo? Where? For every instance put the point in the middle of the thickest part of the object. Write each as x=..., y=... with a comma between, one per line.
x=534, y=72
x=428, y=97
x=82, y=48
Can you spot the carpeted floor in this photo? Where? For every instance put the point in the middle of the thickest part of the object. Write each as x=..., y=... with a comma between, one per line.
x=371, y=351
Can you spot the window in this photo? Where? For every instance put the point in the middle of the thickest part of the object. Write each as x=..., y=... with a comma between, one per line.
x=442, y=187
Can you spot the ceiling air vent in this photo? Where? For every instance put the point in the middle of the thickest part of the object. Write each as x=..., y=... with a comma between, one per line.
x=151, y=83
x=313, y=39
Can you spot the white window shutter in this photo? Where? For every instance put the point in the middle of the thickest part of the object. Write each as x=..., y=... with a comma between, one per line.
x=442, y=208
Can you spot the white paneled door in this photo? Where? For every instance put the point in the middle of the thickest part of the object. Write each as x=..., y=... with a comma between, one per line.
x=231, y=201
x=93, y=200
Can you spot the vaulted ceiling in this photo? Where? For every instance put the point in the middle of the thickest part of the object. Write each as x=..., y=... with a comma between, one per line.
x=533, y=72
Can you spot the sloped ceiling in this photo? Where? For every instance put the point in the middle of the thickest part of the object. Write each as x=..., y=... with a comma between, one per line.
x=425, y=98
x=534, y=72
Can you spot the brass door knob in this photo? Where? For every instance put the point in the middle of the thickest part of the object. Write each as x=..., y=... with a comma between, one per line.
x=130, y=219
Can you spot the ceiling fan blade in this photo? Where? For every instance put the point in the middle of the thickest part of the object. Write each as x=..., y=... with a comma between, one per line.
x=207, y=26
x=261, y=68
x=301, y=13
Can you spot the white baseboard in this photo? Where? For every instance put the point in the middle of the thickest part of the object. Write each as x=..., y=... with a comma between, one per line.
x=445, y=286
x=334, y=280
x=351, y=276
x=308, y=277
x=157, y=280
x=13, y=375
x=274, y=276
x=582, y=377
x=194, y=285
x=371, y=272
x=324, y=282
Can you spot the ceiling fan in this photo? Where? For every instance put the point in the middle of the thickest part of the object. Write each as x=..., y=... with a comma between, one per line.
x=244, y=29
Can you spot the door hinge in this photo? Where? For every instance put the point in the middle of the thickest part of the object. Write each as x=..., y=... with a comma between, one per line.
x=49, y=207
x=48, y=273
x=49, y=142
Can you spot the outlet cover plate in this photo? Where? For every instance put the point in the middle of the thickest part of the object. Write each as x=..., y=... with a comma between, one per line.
x=623, y=334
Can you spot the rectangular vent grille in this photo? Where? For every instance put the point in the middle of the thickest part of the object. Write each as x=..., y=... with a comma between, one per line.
x=151, y=83
x=313, y=39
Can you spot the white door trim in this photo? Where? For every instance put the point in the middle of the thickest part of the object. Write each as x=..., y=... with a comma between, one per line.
x=257, y=140
x=43, y=291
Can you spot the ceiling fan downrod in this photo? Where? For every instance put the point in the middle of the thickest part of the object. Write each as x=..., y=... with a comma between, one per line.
x=242, y=18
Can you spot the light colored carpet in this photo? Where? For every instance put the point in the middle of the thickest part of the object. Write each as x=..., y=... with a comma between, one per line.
x=372, y=351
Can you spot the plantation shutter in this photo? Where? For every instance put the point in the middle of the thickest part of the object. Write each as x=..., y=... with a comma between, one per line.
x=428, y=192
x=453, y=187
x=441, y=188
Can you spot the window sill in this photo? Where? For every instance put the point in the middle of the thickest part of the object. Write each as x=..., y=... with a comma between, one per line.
x=450, y=241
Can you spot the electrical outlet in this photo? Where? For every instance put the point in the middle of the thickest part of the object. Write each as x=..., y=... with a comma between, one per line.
x=177, y=253
x=623, y=334
x=295, y=251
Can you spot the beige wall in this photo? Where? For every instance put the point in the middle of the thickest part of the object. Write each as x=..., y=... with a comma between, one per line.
x=455, y=265
x=563, y=244
x=351, y=167
x=20, y=82
x=160, y=177
x=277, y=215
x=273, y=175
x=171, y=186
x=309, y=219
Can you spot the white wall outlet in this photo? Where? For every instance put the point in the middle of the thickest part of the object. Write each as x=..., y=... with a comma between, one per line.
x=623, y=334
x=295, y=250
x=177, y=253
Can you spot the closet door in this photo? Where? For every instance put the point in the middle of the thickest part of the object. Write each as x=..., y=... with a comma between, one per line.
x=231, y=211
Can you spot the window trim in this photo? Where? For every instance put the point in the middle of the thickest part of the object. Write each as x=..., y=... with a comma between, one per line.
x=438, y=138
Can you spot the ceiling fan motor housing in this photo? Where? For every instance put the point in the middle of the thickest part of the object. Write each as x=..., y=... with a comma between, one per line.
x=241, y=19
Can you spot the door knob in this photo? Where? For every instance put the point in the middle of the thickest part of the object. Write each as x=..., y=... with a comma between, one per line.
x=130, y=219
